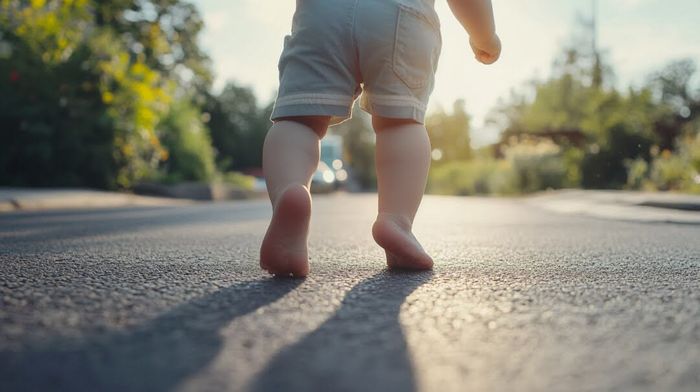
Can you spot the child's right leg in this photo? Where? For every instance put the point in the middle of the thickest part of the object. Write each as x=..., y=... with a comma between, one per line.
x=402, y=160
x=290, y=157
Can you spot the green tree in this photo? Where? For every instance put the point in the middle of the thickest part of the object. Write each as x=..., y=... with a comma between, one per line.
x=82, y=92
x=449, y=133
x=613, y=127
x=163, y=34
x=55, y=128
x=358, y=148
x=238, y=127
x=679, y=97
x=187, y=142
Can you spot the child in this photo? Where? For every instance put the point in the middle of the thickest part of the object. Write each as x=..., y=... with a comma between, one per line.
x=337, y=49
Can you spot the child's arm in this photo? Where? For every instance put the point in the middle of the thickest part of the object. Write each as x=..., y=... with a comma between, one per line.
x=477, y=18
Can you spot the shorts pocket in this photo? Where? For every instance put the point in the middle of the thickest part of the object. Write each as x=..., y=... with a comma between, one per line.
x=417, y=45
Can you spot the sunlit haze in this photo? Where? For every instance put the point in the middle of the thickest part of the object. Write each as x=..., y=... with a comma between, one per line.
x=244, y=38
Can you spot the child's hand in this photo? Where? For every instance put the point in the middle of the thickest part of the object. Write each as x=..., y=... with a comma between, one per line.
x=487, y=52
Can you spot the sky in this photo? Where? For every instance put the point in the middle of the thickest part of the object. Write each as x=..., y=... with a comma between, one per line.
x=244, y=40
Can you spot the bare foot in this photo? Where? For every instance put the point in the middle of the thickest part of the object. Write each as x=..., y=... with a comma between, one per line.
x=284, y=250
x=393, y=233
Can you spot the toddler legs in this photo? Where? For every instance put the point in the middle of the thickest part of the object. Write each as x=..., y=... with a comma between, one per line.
x=290, y=157
x=403, y=160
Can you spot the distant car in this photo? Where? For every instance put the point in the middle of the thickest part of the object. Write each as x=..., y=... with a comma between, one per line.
x=332, y=156
x=323, y=180
x=259, y=185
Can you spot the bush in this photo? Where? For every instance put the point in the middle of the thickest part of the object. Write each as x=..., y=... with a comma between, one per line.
x=55, y=129
x=528, y=166
x=537, y=165
x=476, y=177
x=637, y=172
x=607, y=167
x=668, y=171
x=190, y=156
x=83, y=89
x=238, y=180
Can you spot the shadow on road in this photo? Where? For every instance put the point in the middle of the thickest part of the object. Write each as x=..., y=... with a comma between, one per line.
x=361, y=347
x=156, y=356
x=30, y=227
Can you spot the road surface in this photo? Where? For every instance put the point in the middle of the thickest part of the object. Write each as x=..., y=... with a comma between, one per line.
x=521, y=298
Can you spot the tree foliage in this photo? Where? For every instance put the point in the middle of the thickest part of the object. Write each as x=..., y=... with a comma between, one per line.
x=238, y=127
x=186, y=138
x=449, y=133
x=358, y=148
x=615, y=127
x=107, y=93
x=85, y=83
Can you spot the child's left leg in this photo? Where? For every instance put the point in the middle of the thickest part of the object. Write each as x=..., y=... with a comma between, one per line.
x=290, y=157
x=403, y=160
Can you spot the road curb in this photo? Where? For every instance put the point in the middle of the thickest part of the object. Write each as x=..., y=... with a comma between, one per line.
x=20, y=199
x=622, y=205
x=196, y=191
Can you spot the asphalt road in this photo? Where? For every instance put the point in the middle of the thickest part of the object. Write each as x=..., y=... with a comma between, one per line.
x=160, y=299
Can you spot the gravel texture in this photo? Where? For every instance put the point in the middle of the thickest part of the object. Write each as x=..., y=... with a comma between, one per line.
x=521, y=298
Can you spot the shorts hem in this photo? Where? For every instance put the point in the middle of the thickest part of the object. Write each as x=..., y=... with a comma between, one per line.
x=394, y=106
x=338, y=107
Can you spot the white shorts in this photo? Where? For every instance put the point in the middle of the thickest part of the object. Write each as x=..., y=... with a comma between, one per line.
x=338, y=48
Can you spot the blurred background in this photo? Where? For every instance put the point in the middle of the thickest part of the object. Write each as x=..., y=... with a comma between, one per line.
x=144, y=94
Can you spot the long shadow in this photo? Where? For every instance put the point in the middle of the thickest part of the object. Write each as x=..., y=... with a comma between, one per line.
x=156, y=356
x=360, y=348
x=79, y=224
